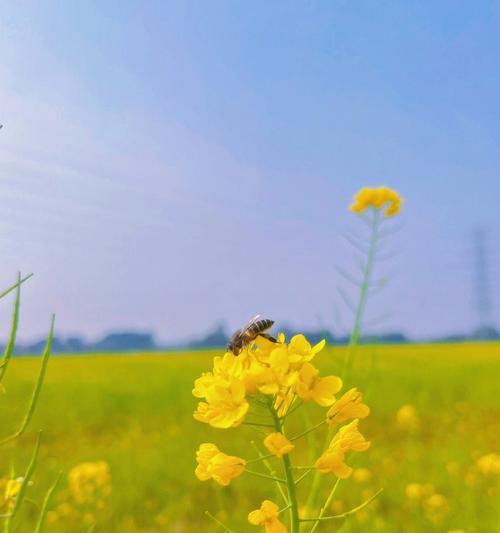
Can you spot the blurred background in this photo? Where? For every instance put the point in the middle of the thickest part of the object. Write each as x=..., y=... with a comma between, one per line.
x=171, y=169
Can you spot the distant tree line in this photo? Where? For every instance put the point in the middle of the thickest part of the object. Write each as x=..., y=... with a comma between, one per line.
x=129, y=341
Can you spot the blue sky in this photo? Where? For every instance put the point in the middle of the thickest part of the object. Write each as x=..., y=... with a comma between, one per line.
x=165, y=166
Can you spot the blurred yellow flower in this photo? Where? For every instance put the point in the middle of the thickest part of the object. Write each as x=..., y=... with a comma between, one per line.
x=349, y=406
x=489, y=464
x=278, y=444
x=361, y=475
x=407, y=418
x=12, y=488
x=416, y=491
x=377, y=198
x=213, y=464
x=347, y=438
x=89, y=480
x=267, y=516
x=436, y=507
x=310, y=386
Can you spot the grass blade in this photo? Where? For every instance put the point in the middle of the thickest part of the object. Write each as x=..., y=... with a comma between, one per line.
x=43, y=513
x=12, y=339
x=19, y=282
x=36, y=390
x=24, y=486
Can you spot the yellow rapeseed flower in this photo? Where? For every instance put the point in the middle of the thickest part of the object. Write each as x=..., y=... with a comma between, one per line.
x=417, y=491
x=301, y=351
x=89, y=480
x=310, y=386
x=349, y=406
x=347, y=438
x=225, y=406
x=436, y=507
x=377, y=198
x=407, y=418
x=12, y=488
x=267, y=516
x=213, y=464
x=489, y=464
x=278, y=444
x=361, y=475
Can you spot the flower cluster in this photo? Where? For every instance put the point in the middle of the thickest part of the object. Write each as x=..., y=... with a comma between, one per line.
x=434, y=505
x=277, y=376
x=377, y=198
x=489, y=464
x=88, y=481
x=282, y=371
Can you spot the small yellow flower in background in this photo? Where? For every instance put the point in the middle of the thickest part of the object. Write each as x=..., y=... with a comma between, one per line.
x=278, y=444
x=267, y=516
x=489, y=464
x=377, y=198
x=456, y=531
x=361, y=475
x=213, y=464
x=417, y=491
x=310, y=386
x=347, y=407
x=89, y=480
x=12, y=488
x=347, y=438
x=407, y=418
x=436, y=508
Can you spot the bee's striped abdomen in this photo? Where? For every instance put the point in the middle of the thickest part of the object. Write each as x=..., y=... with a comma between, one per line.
x=260, y=326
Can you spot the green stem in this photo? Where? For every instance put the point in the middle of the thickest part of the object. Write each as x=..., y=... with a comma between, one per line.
x=316, y=482
x=346, y=514
x=8, y=527
x=270, y=469
x=223, y=526
x=259, y=474
x=19, y=282
x=43, y=513
x=306, y=473
x=261, y=458
x=290, y=481
x=314, y=428
x=257, y=424
x=363, y=294
x=325, y=507
x=36, y=391
x=12, y=339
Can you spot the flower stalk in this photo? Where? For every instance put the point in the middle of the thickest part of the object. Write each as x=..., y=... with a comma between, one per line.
x=290, y=480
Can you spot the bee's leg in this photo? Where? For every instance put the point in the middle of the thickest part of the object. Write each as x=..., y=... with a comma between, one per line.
x=268, y=337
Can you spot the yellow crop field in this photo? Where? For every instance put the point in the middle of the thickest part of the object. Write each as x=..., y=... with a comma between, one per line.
x=434, y=427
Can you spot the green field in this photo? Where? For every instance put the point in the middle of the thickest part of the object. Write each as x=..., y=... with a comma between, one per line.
x=135, y=412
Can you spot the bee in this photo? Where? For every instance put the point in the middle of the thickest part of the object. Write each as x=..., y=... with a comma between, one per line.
x=246, y=335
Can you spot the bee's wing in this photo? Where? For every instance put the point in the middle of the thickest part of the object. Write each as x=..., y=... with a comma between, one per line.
x=250, y=322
